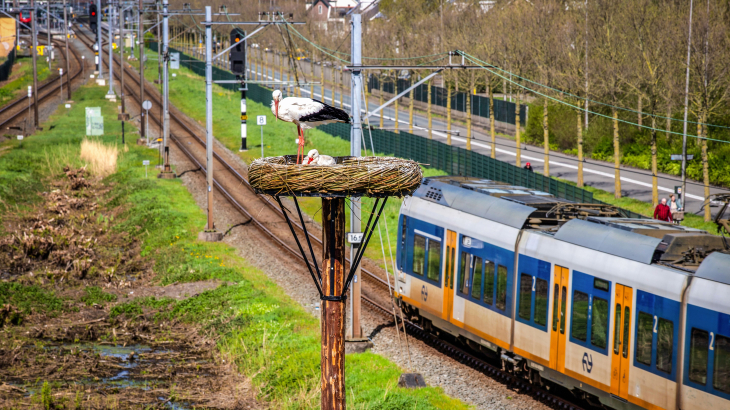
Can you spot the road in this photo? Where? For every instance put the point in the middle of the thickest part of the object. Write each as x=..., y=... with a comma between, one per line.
x=635, y=183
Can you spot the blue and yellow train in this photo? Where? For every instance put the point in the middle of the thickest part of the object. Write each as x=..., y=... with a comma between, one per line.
x=625, y=313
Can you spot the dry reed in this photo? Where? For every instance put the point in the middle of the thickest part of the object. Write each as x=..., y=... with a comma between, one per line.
x=362, y=176
x=100, y=158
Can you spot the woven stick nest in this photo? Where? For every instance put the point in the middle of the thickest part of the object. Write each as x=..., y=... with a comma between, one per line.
x=350, y=176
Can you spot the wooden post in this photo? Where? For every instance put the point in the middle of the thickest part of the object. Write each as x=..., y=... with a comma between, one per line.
x=333, y=312
x=395, y=104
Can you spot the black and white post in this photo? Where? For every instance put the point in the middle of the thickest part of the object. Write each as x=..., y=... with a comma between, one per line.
x=99, y=66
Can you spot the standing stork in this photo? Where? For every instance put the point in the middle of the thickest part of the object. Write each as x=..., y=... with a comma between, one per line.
x=305, y=113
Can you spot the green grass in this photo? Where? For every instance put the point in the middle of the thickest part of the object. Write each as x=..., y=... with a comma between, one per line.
x=28, y=299
x=271, y=338
x=22, y=77
x=94, y=295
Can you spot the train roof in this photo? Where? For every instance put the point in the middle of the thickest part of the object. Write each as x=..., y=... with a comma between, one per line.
x=599, y=227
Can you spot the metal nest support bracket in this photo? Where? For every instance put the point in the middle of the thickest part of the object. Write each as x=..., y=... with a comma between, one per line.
x=316, y=273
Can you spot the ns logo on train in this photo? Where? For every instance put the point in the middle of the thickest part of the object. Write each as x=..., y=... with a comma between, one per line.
x=587, y=362
x=424, y=292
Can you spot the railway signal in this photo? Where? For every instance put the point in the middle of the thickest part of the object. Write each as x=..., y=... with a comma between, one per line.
x=92, y=17
x=237, y=59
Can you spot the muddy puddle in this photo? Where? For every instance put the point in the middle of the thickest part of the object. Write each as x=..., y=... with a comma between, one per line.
x=67, y=363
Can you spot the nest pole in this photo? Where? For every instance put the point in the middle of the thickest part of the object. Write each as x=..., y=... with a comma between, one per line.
x=333, y=304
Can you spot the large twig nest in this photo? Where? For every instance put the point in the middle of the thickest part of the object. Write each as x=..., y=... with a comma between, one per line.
x=350, y=176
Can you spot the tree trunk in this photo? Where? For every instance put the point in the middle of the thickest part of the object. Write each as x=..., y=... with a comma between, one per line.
x=641, y=117
x=380, y=99
x=342, y=88
x=518, y=157
x=492, y=134
x=546, y=136
x=580, y=149
x=668, y=128
x=702, y=131
x=410, y=111
x=334, y=88
x=321, y=81
x=311, y=69
x=616, y=155
x=448, y=113
x=654, y=181
x=468, y=113
x=428, y=111
x=333, y=312
x=395, y=104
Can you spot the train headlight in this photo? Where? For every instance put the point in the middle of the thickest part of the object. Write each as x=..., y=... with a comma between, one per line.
x=401, y=276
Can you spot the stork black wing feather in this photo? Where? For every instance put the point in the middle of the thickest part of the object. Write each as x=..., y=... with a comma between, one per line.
x=327, y=113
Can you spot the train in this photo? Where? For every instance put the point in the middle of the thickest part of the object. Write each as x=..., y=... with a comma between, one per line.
x=625, y=313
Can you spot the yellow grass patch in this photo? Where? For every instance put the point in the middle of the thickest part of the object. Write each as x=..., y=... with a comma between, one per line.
x=100, y=158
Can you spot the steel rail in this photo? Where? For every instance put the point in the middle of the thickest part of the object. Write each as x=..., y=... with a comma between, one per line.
x=52, y=81
x=442, y=346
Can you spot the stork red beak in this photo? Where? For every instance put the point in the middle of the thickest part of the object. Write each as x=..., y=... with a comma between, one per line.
x=276, y=109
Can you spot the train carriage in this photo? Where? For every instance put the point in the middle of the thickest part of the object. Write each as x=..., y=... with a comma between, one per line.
x=572, y=295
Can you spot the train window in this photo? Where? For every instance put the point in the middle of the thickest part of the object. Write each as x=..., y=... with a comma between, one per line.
x=721, y=376
x=488, y=282
x=525, y=296
x=644, y=337
x=599, y=323
x=627, y=324
x=450, y=275
x=698, y=352
x=419, y=254
x=434, y=260
x=541, y=302
x=563, y=303
x=463, y=268
x=555, y=307
x=579, y=320
x=600, y=284
x=617, y=330
x=403, y=240
x=501, y=301
x=664, y=345
x=476, y=280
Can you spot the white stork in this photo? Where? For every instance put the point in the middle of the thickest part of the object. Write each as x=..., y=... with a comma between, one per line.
x=305, y=113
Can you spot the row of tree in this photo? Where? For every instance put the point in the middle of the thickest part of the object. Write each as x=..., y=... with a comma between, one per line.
x=629, y=55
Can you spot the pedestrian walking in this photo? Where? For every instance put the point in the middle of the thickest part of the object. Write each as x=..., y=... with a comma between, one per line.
x=662, y=211
x=675, y=207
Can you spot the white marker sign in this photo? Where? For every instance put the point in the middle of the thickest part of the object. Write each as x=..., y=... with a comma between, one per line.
x=260, y=120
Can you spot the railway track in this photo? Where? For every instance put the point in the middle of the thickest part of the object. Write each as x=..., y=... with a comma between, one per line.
x=270, y=221
x=11, y=112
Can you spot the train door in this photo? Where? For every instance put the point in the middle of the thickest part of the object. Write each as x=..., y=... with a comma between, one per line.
x=561, y=281
x=449, y=274
x=621, y=341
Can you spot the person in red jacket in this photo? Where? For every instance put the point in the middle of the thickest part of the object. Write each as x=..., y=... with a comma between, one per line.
x=662, y=211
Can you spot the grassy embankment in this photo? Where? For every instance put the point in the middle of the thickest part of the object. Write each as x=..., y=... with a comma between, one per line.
x=270, y=337
x=22, y=77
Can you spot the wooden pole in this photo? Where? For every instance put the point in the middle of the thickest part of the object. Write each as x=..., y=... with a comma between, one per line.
x=333, y=312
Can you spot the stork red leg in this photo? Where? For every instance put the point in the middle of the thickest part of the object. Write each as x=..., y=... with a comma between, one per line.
x=300, y=145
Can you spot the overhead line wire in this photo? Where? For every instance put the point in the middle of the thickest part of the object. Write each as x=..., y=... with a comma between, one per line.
x=598, y=102
x=479, y=63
